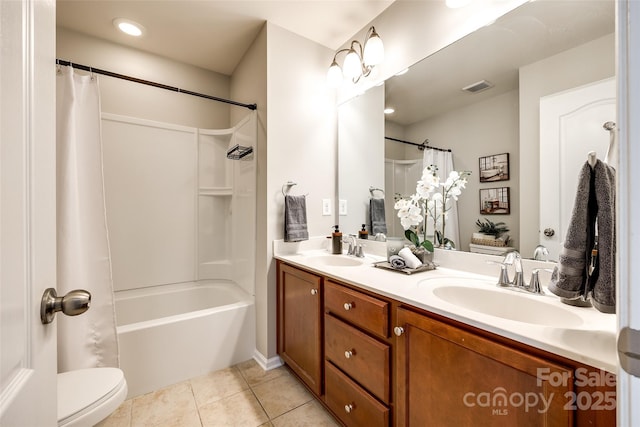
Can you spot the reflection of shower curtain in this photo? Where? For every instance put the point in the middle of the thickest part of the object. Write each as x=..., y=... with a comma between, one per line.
x=444, y=161
x=84, y=261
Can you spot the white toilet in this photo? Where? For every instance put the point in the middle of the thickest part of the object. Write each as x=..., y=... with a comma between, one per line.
x=88, y=396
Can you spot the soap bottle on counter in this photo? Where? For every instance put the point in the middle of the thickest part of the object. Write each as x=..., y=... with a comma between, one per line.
x=336, y=241
x=363, y=234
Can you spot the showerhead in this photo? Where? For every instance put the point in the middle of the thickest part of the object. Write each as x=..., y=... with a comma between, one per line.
x=609, y=126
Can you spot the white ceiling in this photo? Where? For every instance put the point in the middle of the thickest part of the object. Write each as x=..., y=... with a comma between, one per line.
x=534, y=31
x=215, y=34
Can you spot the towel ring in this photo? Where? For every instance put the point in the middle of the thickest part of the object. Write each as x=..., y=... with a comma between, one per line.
x=372, y=189
x=288, y=185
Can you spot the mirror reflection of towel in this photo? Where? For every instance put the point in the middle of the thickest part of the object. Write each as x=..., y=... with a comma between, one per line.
x=295, y=219
x=376, y=216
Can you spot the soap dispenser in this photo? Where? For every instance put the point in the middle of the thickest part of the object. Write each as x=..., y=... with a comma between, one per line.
x=336, y=241
x=363, y=234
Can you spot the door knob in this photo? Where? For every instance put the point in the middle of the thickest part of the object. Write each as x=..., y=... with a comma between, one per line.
x=549, y=232
x=74, y=303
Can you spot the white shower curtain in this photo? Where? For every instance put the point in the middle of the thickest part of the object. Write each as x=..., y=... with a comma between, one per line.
x=84, y=262
x=444, y=161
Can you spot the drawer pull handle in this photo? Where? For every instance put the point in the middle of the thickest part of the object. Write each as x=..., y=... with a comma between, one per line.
x=348, y=306
x=348, y=408
x=398, y=330
x=314, y=292
x=349, y=353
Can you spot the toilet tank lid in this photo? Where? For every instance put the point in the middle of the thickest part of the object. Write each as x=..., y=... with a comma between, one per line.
x=81, y=389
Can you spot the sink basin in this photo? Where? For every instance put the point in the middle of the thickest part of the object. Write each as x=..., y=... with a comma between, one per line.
x=336, y=260
x=508, y=304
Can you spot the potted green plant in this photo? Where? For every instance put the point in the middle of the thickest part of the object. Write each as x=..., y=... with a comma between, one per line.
x=489, y=230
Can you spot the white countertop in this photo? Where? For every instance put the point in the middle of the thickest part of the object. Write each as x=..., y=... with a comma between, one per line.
x=592, y=341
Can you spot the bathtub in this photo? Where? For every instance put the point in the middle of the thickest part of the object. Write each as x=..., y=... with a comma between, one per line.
x=170, y=333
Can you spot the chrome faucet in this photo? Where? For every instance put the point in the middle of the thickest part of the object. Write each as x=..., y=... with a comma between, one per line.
x=353, y=244
x=513, y=258
x=541, y=253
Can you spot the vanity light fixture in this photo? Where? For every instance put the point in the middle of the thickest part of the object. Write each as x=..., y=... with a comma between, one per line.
x=128, y=26
x=359, y=61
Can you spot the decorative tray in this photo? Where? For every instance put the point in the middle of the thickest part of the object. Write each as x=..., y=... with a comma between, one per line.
x=387, y=266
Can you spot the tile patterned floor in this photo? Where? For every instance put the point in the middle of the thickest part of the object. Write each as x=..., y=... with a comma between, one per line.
x=242, y=395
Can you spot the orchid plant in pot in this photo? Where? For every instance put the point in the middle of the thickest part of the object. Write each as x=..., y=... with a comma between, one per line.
x=430, y=201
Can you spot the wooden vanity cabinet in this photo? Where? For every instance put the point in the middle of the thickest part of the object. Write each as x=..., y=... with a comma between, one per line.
x=300, y=331
x=374, y=361
x=357, y=356
x=449, y=375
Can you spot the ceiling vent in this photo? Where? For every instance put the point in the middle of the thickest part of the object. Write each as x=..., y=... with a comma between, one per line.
x=478, y=86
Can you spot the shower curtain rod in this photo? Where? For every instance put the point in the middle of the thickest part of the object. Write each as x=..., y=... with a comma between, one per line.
x=154, y=84
x=420, y=146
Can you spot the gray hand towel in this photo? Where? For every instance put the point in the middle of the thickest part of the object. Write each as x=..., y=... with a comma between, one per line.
x=603, y=296
x=397, y=262
x=569, y=277
x=295, y=219
x=377, y=216
x=595, y=199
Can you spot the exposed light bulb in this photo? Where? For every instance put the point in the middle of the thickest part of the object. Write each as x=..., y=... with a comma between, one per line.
x=389, y=110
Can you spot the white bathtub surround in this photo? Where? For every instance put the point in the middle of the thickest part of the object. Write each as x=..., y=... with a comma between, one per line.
x=84, y=260
x=581, y=334
x=172, y=333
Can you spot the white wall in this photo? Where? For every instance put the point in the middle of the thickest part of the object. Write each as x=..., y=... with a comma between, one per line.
x=146, y=102
x=481, y=129
x=249, y=84
x=301, y=147
x=587, y=63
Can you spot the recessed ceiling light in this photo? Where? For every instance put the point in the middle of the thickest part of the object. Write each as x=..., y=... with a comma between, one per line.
x=129, y=27
x=389, y=111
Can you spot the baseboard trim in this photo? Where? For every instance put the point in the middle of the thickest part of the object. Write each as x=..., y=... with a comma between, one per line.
x=267, y=364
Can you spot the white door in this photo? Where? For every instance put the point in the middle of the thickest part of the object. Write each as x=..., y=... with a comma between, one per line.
x=628, y=219
x=571, y=126
x=27, y=212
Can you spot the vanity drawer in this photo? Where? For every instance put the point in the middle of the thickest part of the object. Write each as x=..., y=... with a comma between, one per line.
x=353, y=405
x=364, y=358
x=361, y=310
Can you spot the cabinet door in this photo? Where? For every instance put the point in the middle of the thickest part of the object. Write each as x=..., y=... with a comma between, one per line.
x=300, y=324
x=449, y=377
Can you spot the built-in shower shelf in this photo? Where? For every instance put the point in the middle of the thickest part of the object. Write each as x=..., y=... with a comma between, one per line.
x=215, y=191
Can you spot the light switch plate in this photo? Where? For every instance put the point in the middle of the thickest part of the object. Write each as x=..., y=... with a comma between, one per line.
x=326, y=207
x=342, y=207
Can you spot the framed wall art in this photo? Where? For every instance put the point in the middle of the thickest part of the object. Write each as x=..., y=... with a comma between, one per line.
x=494, y=201
x=494, y=168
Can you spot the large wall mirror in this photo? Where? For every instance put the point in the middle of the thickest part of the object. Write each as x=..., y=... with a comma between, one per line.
x=538, y=49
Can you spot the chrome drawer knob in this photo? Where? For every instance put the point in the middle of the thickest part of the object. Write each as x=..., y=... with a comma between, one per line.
x=348, y=354
x=348, y=306
x=314, y=292
x=398, y=330
x=348, y=408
